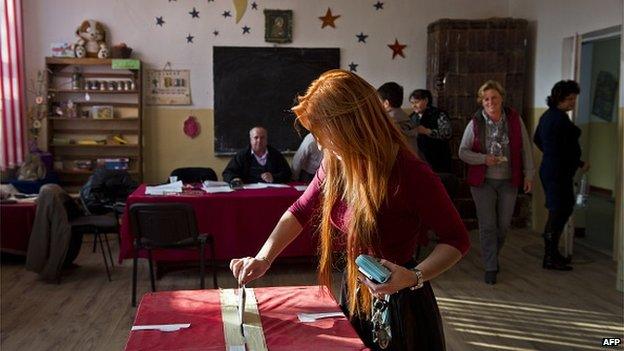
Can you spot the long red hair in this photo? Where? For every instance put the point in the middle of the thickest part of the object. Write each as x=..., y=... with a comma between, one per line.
x=360, y=143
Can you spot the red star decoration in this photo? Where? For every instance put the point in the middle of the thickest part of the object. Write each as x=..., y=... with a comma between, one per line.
x=328, y=19
x=397, y=49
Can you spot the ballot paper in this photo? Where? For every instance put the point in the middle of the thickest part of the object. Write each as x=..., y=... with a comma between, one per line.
x=169, y=188
x=241, y=308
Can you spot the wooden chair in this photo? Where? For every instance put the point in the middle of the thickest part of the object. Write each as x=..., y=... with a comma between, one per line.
x=167, y=226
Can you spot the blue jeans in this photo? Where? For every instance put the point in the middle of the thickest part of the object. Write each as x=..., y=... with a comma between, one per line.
x=495, y=201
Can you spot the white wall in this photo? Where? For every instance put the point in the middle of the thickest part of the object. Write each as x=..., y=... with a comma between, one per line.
x=555, y=20
x=133, y=22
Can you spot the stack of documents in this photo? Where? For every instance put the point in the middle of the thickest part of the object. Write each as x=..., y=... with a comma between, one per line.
x=211, y=187
x=264, y=185
x=170, y=188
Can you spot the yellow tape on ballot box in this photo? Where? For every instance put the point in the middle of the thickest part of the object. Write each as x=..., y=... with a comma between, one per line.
x=252, y=336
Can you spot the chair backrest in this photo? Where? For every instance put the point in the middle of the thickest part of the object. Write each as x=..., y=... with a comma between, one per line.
x=166, y=225
x=194, y=174
x=105, y=187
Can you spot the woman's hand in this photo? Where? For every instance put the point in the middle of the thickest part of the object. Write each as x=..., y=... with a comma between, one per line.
x=247, y=269
x=528, y=186
x=423, y=130
x=401, y=278
x=491, y=160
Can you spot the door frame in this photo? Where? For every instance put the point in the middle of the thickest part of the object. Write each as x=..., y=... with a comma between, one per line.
x=570, y=69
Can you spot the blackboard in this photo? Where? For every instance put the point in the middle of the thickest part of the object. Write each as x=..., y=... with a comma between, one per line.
x=257, y=86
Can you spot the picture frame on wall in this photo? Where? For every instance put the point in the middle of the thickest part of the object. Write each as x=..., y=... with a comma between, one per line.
x=168, y=87
x=278, y=26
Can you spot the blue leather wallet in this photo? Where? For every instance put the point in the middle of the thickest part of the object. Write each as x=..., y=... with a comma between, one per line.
x=372, y=269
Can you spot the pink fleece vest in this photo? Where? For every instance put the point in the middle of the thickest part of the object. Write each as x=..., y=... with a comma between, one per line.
x=476, y=173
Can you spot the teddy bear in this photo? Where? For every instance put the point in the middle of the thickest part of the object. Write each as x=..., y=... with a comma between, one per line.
x=91, y=41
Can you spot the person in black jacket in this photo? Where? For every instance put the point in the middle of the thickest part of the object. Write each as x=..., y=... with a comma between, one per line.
x=258, y=163
x=434, y=131
x=558, y=138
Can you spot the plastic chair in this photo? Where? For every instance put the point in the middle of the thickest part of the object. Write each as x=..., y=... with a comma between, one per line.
x=98, y=225
x=106, y=192
x=167, y=226
x=194, y=174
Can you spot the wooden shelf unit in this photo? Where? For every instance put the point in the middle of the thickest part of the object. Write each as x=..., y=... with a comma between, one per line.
x=127, y=108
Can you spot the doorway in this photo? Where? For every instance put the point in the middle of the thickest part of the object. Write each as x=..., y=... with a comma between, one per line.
x=598, y=114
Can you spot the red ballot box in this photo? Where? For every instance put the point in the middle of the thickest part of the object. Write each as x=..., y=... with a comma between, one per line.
x=278, y=308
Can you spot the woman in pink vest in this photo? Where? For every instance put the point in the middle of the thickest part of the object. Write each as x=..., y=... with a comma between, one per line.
x=497, y=149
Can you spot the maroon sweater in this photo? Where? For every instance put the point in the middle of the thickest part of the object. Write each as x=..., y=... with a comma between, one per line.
x=417, y=202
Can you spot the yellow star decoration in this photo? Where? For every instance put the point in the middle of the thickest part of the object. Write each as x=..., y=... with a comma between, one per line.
x=328, y=19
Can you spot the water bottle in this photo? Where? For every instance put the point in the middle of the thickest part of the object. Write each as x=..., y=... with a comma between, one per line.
x=583, y=192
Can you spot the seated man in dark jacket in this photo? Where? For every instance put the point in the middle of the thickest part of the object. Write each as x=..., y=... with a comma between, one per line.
x=258, y=163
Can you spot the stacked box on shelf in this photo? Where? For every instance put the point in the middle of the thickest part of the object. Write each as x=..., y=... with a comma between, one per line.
x=113, y=163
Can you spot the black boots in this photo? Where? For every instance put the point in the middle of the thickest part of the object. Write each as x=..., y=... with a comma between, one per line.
x=552, y=258
x=490, y=277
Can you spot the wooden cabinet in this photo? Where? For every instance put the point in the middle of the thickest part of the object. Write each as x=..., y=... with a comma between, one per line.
x=94, y=118
x=461, y=56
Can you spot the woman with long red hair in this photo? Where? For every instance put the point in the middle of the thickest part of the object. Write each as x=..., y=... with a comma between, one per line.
x=372, y=195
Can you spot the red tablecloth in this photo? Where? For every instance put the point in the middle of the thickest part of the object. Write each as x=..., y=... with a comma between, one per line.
x=240, y=222
x=16, y=221
x=278, y=307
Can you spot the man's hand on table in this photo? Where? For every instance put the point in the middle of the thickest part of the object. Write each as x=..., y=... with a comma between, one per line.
x=267, y=177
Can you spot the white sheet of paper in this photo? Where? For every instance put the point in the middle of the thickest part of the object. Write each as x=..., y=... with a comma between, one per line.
x=161, y=327
x=164, y=188
x=312, y=317
x=264, y=185
x=256, y=186
x=301, y=187
x=277, y=185
x=211, y=183
x=217, y=189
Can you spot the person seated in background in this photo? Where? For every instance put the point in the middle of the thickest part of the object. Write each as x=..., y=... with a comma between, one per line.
x=391, y=95
x=307, y=160
x=259, y=163
x=434, y=129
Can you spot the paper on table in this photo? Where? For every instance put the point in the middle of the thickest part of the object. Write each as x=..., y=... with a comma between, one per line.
x=301, y=187
x=162, y=327
x=277, y=185
x=217, y=189
x=264, y=185
x=312, y=317
x=255, y=186
x=165, y=188
x=211, y=183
